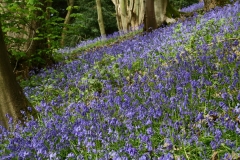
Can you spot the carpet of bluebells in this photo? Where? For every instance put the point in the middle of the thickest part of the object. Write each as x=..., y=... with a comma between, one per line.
x=169, y=94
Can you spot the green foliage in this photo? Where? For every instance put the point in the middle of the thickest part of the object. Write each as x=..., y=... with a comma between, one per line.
x=108, y=69
x=202, y=35
x=32, y=31
x=182, y=3
x=68, y=57
x=84, y=23
x=171, y=11
x=99, y=73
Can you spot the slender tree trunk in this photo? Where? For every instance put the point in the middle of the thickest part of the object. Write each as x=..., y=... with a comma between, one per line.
x=48, y=15
x=38, y=29
x=100, y=19
x=12, y=98
x=150, y=19
x=67, y=21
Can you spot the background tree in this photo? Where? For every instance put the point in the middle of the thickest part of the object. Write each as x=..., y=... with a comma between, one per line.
x=160, y=7
x=84, y=22
x=67, y=21
x=130, y=14
x=100, y=18
x=150, y=18
x=210, y=4
x=179, y=4
x=31, y=28
x=12, y=98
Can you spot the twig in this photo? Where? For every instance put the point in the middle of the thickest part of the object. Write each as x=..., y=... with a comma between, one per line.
x=223, y=40
x=31, y=42
x=15, y=66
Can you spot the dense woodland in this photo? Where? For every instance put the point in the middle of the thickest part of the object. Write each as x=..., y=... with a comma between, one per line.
x=119, y=79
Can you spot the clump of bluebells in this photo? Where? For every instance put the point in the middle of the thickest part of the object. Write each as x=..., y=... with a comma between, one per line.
x=193, y=7
x=92, y=43
x=170, y=94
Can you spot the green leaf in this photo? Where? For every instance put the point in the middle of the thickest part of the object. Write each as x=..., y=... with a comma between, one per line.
x=69, y=8
x=31, y=2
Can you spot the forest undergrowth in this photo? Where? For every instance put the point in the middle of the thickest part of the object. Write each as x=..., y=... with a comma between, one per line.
x=169, y=94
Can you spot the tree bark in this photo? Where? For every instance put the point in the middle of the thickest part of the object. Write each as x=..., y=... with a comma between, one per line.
x=150, y=19
x=160, y=7
x=210, y=4
x=12, y=98
x=131, y=14
x=31, y=35
x=124, y=16
x=48, y=16
x=100, y=19
x=67, y=21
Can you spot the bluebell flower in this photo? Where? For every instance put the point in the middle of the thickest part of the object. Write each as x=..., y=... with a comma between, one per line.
x=168, y=156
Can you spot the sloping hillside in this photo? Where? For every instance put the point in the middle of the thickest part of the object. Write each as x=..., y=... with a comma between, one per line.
x=170, y=94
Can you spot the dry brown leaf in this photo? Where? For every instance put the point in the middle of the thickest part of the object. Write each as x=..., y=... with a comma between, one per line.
x=214, y=155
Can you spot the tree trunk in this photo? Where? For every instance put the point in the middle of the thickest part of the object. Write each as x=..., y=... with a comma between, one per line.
x=28, y=39
x=12, y=98
x=67, y=21
x=100, y=19
x=40, y=31
x=210, y=4
x=131, y=14
x=124, y=15
x=150, y=19
x=48, y=16
x=160, y=7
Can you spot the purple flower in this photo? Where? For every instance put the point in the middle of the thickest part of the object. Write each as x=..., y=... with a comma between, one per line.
x=238, y=96
x=224, y=95
x=131, y=150
x=149, y=131
x=218, y=135
x=214, y=144
x=70, y=155
x=227, y=156
x=168, y=144
x=168, y=156
x=199, y=116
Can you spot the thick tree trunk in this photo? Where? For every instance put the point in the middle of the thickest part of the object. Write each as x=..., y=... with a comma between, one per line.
x=100, y=19
x=160, y=7
x=124, y=15
x=130, y=14
x=67, y=21
x=150, y=19
x=12, y=98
